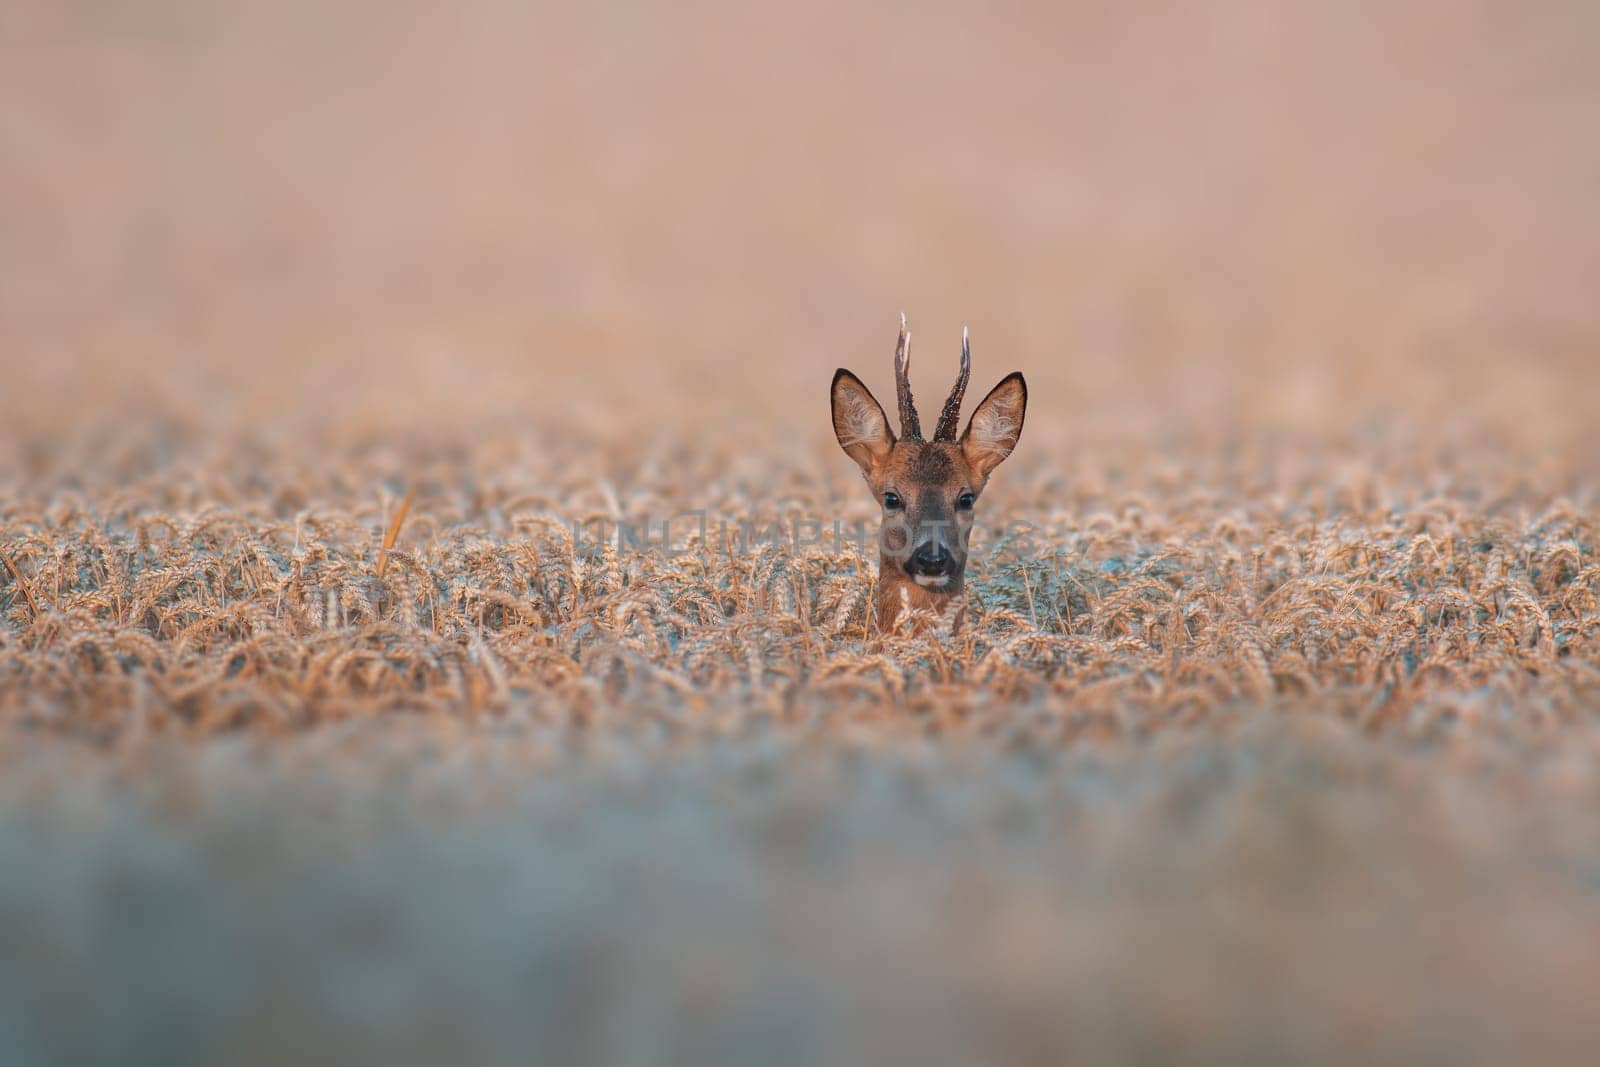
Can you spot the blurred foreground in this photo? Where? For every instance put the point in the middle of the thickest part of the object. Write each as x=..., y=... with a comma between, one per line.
x=1270, y=891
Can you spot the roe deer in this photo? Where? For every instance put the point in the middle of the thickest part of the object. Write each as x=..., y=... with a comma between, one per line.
x=927, y=488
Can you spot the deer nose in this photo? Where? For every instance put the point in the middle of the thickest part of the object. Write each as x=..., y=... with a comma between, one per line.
x=931, y=559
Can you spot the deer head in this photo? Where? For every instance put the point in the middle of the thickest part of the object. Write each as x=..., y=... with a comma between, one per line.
x=927, y=489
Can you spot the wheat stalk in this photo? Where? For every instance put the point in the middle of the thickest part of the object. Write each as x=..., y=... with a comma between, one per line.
x=22, y=583
x=393, y=532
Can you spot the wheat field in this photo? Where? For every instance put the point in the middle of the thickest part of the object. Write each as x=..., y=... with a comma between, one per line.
x=434, y=616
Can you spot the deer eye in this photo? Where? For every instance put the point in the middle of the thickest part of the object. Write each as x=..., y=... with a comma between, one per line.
x=892, y=501
x=966, y=500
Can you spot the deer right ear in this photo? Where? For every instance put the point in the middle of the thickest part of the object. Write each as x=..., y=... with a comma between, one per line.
x=995, y=425
x=858, y=422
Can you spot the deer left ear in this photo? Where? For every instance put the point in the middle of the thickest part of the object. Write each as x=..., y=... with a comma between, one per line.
x=858, y=422
x=996, y=425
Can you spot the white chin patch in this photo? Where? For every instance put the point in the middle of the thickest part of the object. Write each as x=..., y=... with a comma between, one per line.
x=932, y=581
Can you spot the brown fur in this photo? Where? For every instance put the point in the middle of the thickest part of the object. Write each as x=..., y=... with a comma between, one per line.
x=929, y=478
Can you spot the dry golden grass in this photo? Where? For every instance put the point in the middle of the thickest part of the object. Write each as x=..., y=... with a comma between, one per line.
x=1251, y=751
x=1110, y=604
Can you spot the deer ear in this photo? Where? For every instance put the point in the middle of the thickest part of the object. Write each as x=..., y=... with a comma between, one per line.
x=858, y=422
x=996, y=424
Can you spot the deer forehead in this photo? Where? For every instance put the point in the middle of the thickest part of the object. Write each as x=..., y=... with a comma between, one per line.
x=927, y=464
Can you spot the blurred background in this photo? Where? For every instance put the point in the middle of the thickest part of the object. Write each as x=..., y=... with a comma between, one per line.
x=1245, y=215
x=1287, y=766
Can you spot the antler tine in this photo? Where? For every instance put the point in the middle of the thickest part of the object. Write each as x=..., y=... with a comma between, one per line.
x=910, y=426
x=950, y=417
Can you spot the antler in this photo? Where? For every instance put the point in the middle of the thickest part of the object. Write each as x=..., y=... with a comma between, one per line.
x=910, y=427
x=950, y=417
